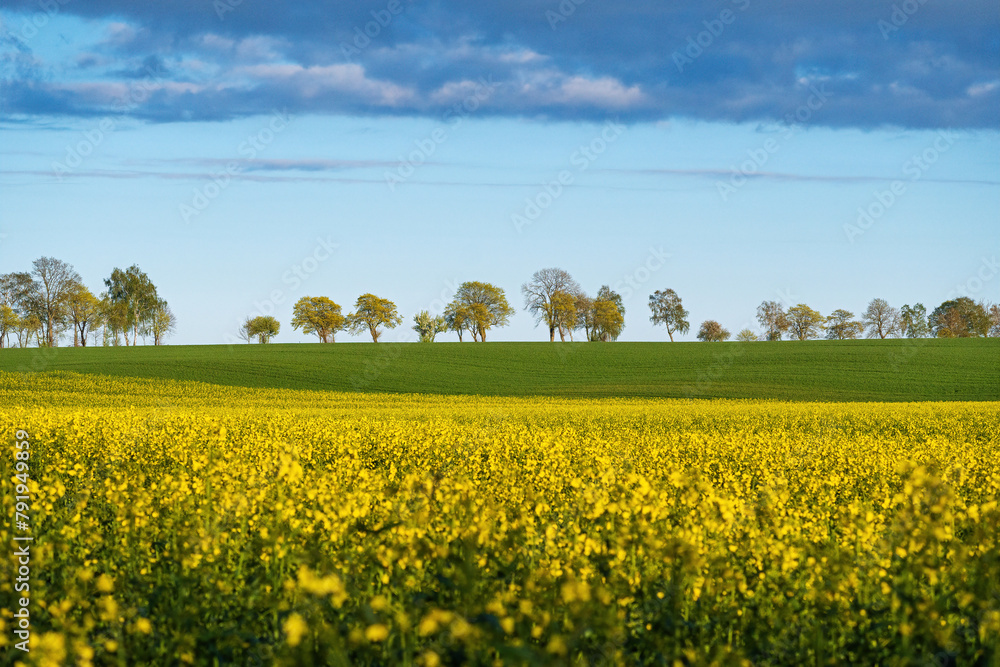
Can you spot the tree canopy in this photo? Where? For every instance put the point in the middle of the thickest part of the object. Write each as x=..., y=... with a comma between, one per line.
x=371, y=314
x=538, y=293
x=131, y=301
x=960, y=318
x=482, y=306
x=669, y=311
x=841, y=325
x=318, y=315
x=712, y=332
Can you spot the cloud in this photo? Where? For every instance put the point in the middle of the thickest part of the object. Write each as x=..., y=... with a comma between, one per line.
x=640, y=60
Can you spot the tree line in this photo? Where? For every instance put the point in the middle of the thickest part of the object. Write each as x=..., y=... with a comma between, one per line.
x=552, y=297
x=558, y=302
x=44, y=304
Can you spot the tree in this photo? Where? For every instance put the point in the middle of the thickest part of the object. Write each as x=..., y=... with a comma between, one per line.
x=372, y=312
x=913, y=321
x=115, y=321
x=245, y=332
x=564, y=313
x=8, y=322
x=54, y=279
x=484, y=306
x=84, y=310
x=668, y=311
x=608, y=294
x=608, y=321
x=585, y=315
x=804, y=322
x=133, y=297
x=538, y=294
x=428, y=326
x=712, y=332
x=16, y=294
x=318, y=315
x=28, y=326
x=609, y=314
x=162, y=322
x=746, y=336
x=264, y=328
x=994, y=314
x=773, y=319
x=880, y=319
x=457, y=319
x=841, y=325
x=960, y=318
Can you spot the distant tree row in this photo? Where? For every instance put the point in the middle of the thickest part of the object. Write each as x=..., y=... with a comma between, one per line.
x=955, y=318
x=558, y=302
x=552, y=296
x=44, y=304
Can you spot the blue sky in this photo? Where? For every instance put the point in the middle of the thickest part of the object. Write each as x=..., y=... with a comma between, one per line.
x=246, y=154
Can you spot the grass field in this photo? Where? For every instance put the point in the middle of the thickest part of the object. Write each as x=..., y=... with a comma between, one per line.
x=885, y=370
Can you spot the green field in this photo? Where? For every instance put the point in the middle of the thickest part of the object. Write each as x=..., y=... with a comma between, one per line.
x=883, y=370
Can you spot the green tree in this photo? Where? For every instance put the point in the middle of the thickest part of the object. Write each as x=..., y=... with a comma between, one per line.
x=960, y=318
x=457, y=319
x=746, y=336
x=318, y=315
x=428, y=326
x=880, y=319
x=264, y=328
x=485, y=307
x=538, y=293
x=712, y=332
x=54, y=280
x=994, y=313
x=114, y=318
x=162, y=322
x=608, y=294
x=371, y=313
x=564, y=313
x=913, y=321
x=841, y=325
x=8, y=322
x=608, y=320
x=773, y=319
x=133, y=298
x=84, y=310
x=669, y=311
x=804, y=322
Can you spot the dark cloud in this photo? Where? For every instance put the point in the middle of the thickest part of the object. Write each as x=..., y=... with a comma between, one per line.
x=911, y=63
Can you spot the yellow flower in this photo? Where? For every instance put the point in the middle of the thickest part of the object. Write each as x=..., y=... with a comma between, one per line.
x=105, y=584
x=376, y=633
x=295, y=629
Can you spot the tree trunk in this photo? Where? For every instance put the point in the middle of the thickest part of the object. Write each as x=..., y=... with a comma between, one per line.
x=671, y=334
x=552, y=334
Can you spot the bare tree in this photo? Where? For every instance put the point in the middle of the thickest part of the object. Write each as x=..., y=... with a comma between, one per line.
x=880, y=319
x=538, y=293
x=245, y=332
x=773, y=319
x=55, y=279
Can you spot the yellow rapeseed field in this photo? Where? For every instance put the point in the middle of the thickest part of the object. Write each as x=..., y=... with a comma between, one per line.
x=184, y=523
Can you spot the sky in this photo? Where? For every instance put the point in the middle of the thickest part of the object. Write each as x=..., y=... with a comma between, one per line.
x=247, y=153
